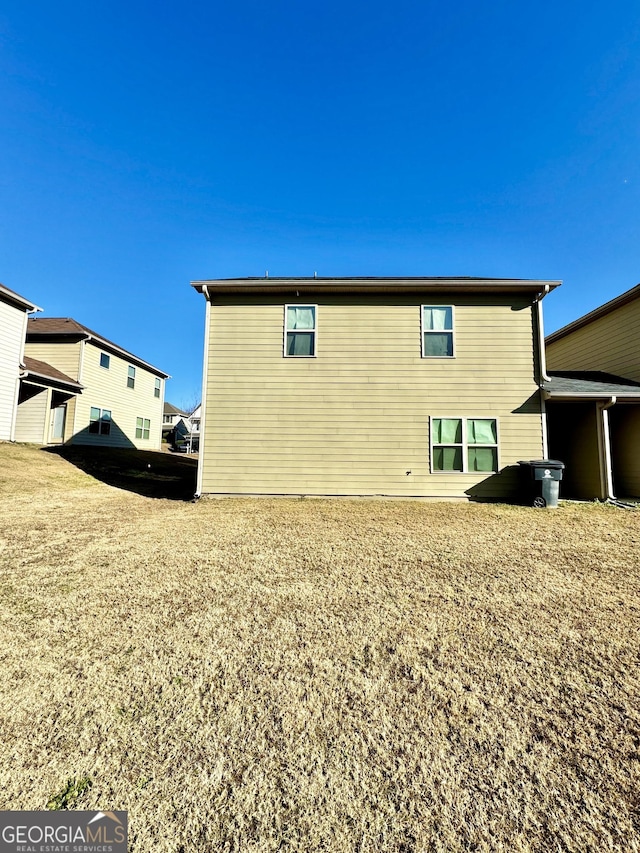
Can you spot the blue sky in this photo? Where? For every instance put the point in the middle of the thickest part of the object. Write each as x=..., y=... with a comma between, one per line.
x=144, y=145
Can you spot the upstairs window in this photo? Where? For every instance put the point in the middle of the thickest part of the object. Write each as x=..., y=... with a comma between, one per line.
x=143, y=426
x=464, y=444
x=131, y=377
x=105, y=360
x=437, y=331
x=100, y=421
x=156, y=388
x=300, y=330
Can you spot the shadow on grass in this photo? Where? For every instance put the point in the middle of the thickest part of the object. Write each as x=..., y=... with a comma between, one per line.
x=145, y=472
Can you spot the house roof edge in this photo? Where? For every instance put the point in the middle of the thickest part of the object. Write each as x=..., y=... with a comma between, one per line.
x=372, y=284
x=591, y=316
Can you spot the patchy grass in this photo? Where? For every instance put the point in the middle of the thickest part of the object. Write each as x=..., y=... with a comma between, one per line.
x=68, y=797
x=248, y=675
x=151, y=473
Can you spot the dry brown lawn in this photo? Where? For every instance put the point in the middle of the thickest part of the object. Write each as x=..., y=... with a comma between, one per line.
x=281, y=675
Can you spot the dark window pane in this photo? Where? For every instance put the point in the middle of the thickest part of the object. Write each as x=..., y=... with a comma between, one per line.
x=483, y=459
x=438, y=344
x=447, y=459
x=300, y=343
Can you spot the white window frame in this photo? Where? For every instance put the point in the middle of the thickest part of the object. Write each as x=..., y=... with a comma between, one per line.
x=464, y=444
x=293, y=331
x=157, y=387
x=451, y=331
x=100, y=420
x=131, y=378
x=140, y=427
x=105, y=355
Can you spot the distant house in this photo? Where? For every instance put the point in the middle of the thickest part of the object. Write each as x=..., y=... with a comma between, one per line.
x=175, y=424
x=593, y=399
x=409, y=387
x=14, y=311
x=81, y=388
x=194, y=419
x=172, y=415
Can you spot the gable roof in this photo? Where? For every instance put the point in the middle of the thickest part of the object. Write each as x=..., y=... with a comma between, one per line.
x=8, y=295
x=581, y=384
x=36, y=369
x=39, y=328
x=170, y=409
x=601, y=311
x=372, y=284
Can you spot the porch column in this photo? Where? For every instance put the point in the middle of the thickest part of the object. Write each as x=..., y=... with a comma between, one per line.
x=604, y=440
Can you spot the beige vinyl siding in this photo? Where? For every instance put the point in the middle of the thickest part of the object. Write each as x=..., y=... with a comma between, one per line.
x=12, y=334
x=33, y=415
x=63, y=356
x=608, y=344
x=106, y=388
x=355, y=419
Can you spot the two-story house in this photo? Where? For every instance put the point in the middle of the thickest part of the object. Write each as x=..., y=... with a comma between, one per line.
x=116, y=398
x=408, y=387
x=175, y=424
x=593, y=399
x=14, y=311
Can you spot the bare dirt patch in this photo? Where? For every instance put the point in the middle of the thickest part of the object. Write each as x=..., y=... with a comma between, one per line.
x=255, y=675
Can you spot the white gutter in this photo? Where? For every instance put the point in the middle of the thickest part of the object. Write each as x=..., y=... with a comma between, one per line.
x=205, y=374
x=540, y=324
x=542, y=369
x=606, y=471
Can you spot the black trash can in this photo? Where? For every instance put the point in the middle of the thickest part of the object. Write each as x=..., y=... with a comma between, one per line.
x=543, y=481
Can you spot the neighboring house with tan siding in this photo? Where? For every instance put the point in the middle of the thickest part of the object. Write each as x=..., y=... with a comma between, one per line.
x=407, y=387
x=606, y=339
x=14, y=311
x=42, y=404
x=115, y=398
x=593, y=399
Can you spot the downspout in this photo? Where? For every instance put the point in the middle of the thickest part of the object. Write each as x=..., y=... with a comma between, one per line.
x=75, y=402
x=542, y=369
x=46, y=430
x=203, y=408
x=606, y=471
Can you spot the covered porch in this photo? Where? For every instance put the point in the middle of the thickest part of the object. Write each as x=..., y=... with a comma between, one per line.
x=45, y=400
x=593, y=423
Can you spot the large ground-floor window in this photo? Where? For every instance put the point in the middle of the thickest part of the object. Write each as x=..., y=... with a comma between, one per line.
x=464, y=444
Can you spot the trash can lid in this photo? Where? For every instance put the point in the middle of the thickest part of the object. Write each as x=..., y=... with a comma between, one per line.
x=543, y=463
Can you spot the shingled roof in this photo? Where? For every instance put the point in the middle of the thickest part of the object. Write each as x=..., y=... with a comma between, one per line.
x=36, y=369
x=56, y=327
x=589, y=383
x=600, y=311
x=170, y=409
